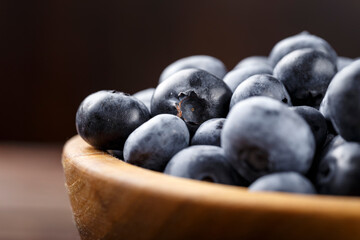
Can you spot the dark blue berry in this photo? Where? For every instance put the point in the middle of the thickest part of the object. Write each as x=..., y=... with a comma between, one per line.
x=154, y=143
x=300, y=41
x=193, y=95
x=209, y=133
x=343, y=102
x=203, y=62
x=253, y=61
x=205, y=163
x=283, y=182
x=116, y=153
x=333, y=142
x=237, y=76
x=262, y=135
x=339, y=171
x=306, y=74
x=316, y=122
x=106, y=118
x=145, y=96
x=261, y=85
x=324, y=110
x=324, y=107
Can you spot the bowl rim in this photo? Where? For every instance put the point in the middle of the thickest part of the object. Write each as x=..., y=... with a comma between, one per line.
x=104, y=167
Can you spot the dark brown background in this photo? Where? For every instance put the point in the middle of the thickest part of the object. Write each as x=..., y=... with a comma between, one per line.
x=55, y=53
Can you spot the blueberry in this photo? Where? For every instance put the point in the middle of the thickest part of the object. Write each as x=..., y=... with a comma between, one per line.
x=193, y=95
x=318, y=126
x=324, y=110
x=300, y=41
x=339, y=171
x=253, y=61
x=206, y=163
x=209, y=133
x=237, y=76
x=145, y=96
x=260, y=85
x=203, y=62
x=324, y=107
x=283, y=182
x=343, y=96
x=106, y=118
x=306, y=74
x=116, y=153
x=343, y=62
x=154, y=143
x=316, y=122
x=332, y=143
x=261, y=136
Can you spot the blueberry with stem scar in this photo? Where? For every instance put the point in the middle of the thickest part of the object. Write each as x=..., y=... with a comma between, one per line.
x=193, y=95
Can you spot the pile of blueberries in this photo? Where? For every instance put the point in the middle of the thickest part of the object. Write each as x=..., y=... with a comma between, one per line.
x=287, y=122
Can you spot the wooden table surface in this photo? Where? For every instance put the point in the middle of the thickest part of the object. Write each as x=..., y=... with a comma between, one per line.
x=33, y=200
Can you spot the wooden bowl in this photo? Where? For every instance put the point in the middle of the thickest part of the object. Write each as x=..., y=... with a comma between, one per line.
x=111, y=199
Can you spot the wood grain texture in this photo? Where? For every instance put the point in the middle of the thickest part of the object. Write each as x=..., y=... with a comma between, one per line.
x=114, y=200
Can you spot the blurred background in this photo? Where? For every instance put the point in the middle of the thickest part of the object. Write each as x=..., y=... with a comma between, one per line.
x=55, y=53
